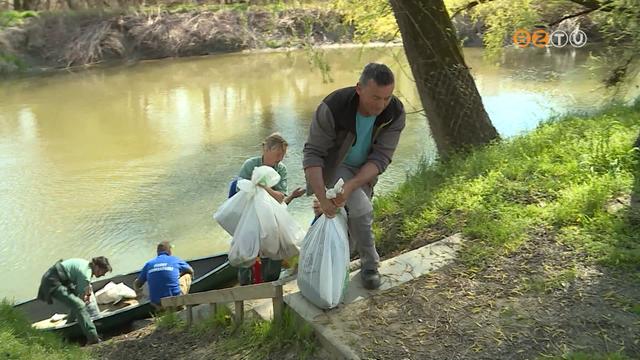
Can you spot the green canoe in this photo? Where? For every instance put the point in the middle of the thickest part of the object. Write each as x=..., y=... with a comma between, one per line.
x=211, y=273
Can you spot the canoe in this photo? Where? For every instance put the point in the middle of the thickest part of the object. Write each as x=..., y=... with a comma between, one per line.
x=213, y=272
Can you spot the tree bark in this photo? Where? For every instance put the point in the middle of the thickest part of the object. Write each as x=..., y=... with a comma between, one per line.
x=447, y=90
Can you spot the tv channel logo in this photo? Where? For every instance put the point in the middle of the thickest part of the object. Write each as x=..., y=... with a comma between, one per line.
x=541, y=38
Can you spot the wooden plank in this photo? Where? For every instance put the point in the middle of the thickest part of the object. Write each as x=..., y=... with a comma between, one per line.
x=285, y=280
x=238, y=293
x=239, y=312
x=278, y=304
x=189, y=315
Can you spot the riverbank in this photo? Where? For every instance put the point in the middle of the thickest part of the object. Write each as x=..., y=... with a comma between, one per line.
x=72, y=39
x=549, y=269
x=550, y=265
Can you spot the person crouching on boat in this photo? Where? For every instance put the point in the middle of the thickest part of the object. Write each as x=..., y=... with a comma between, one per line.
x=69, y=283
x=167, y=275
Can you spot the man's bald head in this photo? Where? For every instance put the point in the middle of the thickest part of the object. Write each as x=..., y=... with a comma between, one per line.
x=164, y=246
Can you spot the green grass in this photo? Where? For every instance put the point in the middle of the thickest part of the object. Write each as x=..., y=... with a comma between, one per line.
x=222, y=319
x=18, y=340
x=169, y=320
x=13, y=18
x=10, y=62
x=559, y=177
x=259, y=338
x=253, y=338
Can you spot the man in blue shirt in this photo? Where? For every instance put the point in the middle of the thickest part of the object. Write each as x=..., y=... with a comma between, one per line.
x=167, y=275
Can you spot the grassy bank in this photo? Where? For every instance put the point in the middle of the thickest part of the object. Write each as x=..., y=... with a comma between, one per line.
x=571, y=177
x=215, y=338
x=539, y=208
x=18, y=340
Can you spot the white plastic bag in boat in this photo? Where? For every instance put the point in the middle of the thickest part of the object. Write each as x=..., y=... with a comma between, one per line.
x=324, y=258
x=113, y=293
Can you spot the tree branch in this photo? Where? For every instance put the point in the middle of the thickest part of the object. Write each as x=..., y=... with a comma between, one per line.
x=583, y=12
x=468, y=7
x=590, y=4
x=605, y=6
x=617, y=75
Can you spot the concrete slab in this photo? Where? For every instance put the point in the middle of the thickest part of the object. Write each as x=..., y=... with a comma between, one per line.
x=398, y=270
x=329, y=328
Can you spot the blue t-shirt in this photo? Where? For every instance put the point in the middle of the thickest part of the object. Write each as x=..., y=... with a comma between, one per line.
x=163, y=274
x=359, y=152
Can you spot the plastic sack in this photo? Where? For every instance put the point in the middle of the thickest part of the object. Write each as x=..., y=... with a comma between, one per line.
x=324, y=258
x=113, y=293
x=290, y=234
x=258, y=223
x=229, y=213
x=245, y=243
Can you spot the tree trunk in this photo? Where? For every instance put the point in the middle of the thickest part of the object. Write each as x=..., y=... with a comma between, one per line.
x=447, y=91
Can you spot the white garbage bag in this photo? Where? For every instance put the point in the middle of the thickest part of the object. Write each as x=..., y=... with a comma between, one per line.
x=258, y=223
x=265, y=207
x=113, y=293
x=324, y=258
x=245, y=244
x=291, y=235
x=230, y=212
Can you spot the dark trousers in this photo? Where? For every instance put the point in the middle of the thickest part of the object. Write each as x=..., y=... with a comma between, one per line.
x=270, y=271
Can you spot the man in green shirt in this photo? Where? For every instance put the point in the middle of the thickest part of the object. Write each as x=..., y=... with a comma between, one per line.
x=69, y=282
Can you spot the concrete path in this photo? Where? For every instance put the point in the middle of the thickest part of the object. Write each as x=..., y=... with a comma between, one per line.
x=328, y=326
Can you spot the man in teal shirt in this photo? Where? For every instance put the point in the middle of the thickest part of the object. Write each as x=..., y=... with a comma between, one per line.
x=353, y=136
x=69, y=282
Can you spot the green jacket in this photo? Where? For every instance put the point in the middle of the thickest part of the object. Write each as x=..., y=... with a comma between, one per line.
x=74, y=274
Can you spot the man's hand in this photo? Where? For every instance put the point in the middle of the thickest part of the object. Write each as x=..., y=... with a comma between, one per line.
x=86, y=298
x=317, y=211
x=328, y=208
x=275, y=194
x=297, y=193
x=294, y=195
x=341, y=199
x=137, y=286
